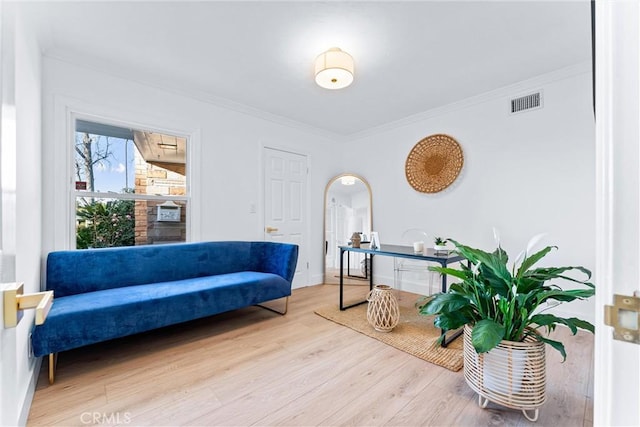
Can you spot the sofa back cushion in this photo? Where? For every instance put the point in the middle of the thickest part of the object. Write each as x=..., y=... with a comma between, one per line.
x=79, y=271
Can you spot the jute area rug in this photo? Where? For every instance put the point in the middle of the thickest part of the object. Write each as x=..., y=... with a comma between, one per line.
x=415, y=334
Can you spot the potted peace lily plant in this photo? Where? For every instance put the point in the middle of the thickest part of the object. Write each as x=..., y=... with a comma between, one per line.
x=502, y=311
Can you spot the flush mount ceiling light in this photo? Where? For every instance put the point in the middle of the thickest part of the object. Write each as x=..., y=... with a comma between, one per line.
x=334, y=69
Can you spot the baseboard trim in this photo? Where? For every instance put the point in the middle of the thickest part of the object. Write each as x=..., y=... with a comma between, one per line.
x=31, y=390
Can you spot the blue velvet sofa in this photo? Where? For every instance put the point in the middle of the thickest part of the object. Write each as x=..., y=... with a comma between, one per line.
x=101, y=294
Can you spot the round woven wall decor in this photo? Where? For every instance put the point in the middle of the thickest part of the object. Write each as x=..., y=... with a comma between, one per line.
x=434, y=163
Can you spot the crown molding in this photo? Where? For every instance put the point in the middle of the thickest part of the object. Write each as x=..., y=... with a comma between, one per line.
x=198, y=95
x=503, y=92
x=217, y=101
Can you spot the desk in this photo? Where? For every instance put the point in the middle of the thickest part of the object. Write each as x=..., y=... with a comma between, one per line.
x=397, y=251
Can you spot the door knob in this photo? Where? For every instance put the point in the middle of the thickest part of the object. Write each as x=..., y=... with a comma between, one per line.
x=270, y=229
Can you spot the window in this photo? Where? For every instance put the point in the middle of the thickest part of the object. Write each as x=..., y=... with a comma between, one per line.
x=130, y=186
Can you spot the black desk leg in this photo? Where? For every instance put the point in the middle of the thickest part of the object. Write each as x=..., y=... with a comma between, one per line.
x=341, y=278
x=342, y=306
x=370, y=270
x=447, y=340
x=348, y=264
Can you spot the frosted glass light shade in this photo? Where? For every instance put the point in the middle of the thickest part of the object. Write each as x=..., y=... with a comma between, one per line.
x=348, y=180
x=334, y=69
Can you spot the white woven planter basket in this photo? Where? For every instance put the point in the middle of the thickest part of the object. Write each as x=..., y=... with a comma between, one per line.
x=513, y=374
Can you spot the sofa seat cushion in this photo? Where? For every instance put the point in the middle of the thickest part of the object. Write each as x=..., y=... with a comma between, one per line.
x=83, y=319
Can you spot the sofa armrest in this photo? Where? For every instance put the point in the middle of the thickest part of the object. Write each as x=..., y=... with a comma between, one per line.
x=276, y=258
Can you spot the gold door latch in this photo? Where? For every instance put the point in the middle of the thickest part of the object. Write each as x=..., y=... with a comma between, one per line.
x=624, y=316
x=15, y=301
x=270, y=229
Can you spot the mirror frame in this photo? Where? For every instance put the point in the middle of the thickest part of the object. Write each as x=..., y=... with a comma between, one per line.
x=324, y=215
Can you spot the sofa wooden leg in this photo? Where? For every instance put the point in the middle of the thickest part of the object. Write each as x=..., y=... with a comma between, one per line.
x=53, y=359
x=283, y=312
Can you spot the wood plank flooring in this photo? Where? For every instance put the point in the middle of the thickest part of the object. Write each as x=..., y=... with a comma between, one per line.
x=255, y=367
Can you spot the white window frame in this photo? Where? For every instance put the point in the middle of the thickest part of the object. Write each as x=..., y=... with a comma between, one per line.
x=74, y=194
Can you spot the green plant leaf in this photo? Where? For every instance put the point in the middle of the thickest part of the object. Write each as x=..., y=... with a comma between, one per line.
x=498, y=279
x=493, y=268
x=497, y=261
x=555, y=344
x=528, y=262
x=444, y=303
x=501, y=255
x=564, y=295
x=453, y=320
x=527, y=282
x=486, y=335
x=548, y=273
x=573, y=323
x=547, y=319
x=460, y=274
x=582, y=324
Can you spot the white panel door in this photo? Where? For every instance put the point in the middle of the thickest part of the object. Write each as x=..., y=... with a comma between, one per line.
x=285, y=204
x=617, y=363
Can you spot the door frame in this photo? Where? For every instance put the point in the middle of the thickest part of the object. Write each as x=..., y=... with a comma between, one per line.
x=616, y=364
x=307, y=229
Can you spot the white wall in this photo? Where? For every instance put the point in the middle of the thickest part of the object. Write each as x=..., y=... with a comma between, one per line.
x=228, y=154
x=524, y=174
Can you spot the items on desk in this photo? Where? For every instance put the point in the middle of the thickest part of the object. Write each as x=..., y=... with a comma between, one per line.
x=355, y=239
x=375, y=240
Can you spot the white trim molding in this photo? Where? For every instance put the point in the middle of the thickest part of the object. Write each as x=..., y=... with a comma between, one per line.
x=60, y=151
x=617, y=364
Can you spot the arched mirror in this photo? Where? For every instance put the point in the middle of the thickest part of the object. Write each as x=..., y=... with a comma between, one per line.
x=347, y=210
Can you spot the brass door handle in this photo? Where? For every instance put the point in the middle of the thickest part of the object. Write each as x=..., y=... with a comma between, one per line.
x=270, y=229
x=15, y=300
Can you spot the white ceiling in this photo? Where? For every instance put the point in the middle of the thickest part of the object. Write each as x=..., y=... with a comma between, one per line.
x=258, y=56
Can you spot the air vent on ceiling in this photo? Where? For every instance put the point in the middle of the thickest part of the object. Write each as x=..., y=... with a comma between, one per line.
x=527, y=102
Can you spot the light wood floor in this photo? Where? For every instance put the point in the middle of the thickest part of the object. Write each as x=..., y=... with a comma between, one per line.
x=254, y=367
